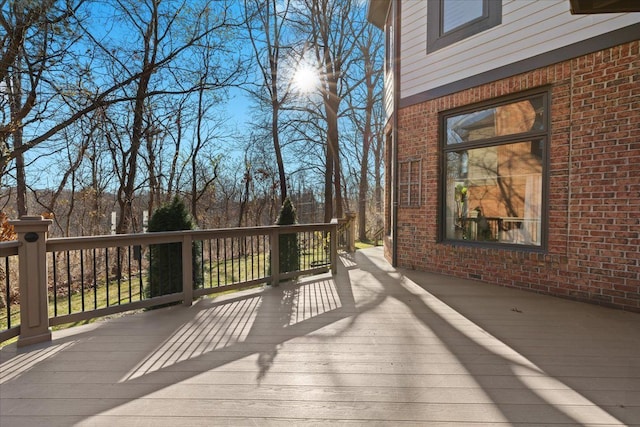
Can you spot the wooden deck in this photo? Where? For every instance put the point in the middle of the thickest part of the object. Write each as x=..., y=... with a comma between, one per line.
x=370, y=346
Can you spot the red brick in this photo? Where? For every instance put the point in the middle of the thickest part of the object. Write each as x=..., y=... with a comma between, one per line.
x=593, y=251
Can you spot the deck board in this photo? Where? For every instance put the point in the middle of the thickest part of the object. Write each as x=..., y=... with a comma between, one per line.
x=370, y=346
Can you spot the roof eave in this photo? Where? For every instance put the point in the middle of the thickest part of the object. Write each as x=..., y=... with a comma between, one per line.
x=377, y=12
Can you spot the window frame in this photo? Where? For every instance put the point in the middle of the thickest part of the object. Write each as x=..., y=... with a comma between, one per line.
x=389, y=50
x=412, y=186
x=438, y=39
x=496, y=141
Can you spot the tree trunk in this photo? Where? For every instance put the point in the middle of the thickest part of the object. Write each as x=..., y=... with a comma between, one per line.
x=16, y=135
x=328, y=184
x=363, y=188
x=127, y=193
x=153, y=181
x=278, y=152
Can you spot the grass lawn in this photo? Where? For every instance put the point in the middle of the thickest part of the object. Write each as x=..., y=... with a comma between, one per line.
x=128, y=289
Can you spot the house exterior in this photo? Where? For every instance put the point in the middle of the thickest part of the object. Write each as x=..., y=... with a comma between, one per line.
x=513, y=143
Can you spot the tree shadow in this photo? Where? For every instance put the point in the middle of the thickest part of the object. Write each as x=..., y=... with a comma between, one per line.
x=179, y=343
x=522, y=390
x=142, y=354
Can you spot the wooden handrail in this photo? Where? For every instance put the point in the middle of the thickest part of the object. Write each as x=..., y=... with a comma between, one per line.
x=35, y=321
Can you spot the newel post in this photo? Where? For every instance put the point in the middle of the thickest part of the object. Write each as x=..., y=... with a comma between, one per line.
x=32, y=259
x=351, y=231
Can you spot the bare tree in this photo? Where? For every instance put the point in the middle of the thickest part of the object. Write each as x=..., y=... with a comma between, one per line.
x=73, y=157
x=37, y=44
x=125, y=101
x=377, y=147
x=167, y=34
x=332, y=28
x=267, y=31
x=370, y=48
x=211, y=53
x=58, y=65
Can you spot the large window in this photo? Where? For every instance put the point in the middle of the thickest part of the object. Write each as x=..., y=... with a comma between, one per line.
x=494, y=169
x=449, y=21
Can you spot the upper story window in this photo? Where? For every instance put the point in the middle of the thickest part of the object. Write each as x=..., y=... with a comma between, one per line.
x=494, y=167
x=388, y=41
x=456, y=13
x=449, y=21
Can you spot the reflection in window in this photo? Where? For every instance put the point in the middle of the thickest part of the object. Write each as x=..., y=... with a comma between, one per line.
x=513, y=118
x=456, y=13
x=389, y=47
x=451, y=21
x=494, y=191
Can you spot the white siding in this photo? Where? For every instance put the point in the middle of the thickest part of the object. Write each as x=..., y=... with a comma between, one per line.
x=529, y=28
x=389, y=72
x=388, y=94
x=413, y=39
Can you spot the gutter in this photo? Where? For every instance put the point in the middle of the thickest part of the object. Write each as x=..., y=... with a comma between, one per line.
x=394, y=132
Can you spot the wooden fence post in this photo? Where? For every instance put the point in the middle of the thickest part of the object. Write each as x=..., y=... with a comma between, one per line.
x=333, y=242
x=351, y=231
x=275, y=255
x=187, y=269
x=32, y=269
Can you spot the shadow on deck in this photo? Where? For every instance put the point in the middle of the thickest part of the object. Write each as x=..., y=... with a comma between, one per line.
x=372, y=345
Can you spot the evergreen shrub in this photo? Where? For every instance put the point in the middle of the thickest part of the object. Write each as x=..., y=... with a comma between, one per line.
x=165, y=260
x=288, y=243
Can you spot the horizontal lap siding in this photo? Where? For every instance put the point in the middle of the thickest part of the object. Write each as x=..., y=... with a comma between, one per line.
x=413, y=38
x=528, y=28
x=594, y=189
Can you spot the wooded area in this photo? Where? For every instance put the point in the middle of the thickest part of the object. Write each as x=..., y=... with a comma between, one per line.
x=120, y=105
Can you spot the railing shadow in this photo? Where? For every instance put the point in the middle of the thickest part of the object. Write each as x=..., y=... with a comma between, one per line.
x=183, y=342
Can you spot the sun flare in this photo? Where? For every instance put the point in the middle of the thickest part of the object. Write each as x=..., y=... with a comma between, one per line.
x=306, y=78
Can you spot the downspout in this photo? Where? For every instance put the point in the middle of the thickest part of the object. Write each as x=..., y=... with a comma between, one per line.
x=394, y=130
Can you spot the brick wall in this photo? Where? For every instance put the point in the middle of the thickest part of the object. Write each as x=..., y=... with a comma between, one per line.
x=593, y=251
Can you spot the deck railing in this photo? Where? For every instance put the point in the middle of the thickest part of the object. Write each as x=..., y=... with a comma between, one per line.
x=347, y=232
x=9, y=280
x=65, y=280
